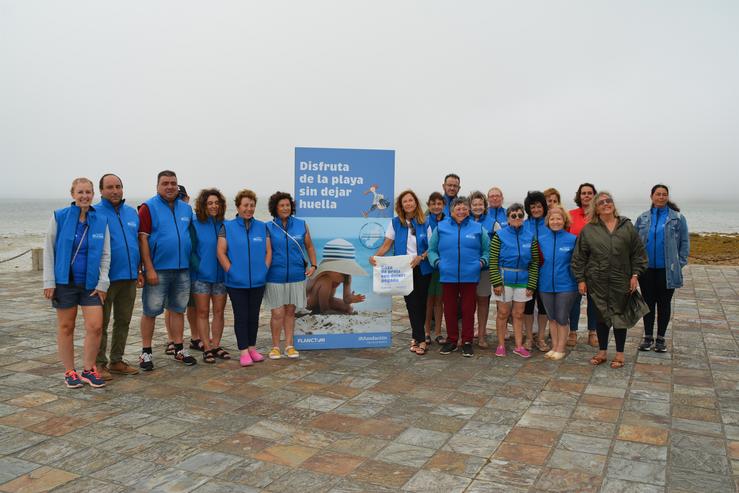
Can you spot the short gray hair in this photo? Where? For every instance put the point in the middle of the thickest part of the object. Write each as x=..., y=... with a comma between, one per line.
x=459, y=200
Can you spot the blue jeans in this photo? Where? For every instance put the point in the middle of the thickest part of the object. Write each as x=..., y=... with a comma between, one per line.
x=575, y=314
x=171, y=293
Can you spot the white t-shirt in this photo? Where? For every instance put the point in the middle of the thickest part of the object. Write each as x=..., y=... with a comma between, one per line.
x=411, y=247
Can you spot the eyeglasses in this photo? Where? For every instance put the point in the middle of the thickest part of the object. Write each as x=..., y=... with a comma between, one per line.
x=605, y=201
x=516, y=215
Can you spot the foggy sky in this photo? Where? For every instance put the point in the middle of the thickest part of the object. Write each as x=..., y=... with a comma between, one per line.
x=522, y=95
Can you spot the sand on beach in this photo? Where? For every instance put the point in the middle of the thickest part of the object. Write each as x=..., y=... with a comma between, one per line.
x=362, y=322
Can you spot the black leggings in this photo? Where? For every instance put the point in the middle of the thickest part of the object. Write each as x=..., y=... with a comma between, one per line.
x=415, y=302
x=245, y=303
x=619, y=334
x=653, y=284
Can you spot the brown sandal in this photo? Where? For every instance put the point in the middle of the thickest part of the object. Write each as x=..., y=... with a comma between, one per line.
x=541, y=345
x=617, y=363
x=598, y=360
x=414, y=346
x=421, y=349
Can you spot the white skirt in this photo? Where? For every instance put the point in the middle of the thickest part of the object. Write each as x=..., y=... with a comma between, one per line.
x=290, y=293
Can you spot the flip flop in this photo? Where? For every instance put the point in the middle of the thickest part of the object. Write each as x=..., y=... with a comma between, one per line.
x=617, y=363
x=598, y=360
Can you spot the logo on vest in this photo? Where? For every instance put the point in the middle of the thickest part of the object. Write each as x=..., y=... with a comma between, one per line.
x=471, y=236
x=132, y=224
x=98, y=236
x=257, y=239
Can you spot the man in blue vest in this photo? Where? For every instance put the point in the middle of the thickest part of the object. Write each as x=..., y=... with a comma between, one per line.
x=164, y=241
x=123, y=224
x=451, y=189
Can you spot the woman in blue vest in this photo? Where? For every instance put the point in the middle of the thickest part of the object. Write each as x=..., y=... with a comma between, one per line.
x=535, y=205
x=664, y=231
x=514, y=270
x=458, y=248
x=293, y=259
x=479, y=210
x=245, y=253
x=434, y=214
x=408, y=233
x=207, y=278
x=557, y=285
x=76, y=264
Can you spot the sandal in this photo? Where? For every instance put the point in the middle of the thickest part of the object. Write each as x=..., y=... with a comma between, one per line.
x=170, y=348
x=221, y=353
x=197, y=345
x=421, y=349
x=541, y=345
x=483, y=343
x=598, y=360
x=440, y=340
x=209, y=357
x=428, y=341
x=413, y=347
x=617, y=363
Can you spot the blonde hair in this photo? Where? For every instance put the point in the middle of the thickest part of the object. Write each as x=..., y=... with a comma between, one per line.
x=558, y=209
x=419, y=216
x=592, y=214
x=81, y=180
x=552, y=191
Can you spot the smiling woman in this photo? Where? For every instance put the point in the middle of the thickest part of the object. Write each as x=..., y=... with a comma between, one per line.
x=76, y=264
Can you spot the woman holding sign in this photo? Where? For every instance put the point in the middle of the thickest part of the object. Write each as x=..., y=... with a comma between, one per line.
x=408, y=233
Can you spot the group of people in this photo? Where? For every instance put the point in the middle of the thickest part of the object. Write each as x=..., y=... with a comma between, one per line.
x=95, y=256
x=537, y=255
x=464, y=251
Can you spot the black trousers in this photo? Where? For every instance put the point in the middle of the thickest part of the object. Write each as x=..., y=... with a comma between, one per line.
x=653, y=284
x=603, y=331
x=415, y=302
x=245, y=303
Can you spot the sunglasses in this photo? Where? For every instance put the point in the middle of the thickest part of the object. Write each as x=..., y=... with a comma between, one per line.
x=515, y=215
x=605, y=201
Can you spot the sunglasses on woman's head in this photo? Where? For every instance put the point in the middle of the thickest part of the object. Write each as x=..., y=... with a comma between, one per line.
x=605, y=201
x=515, y=215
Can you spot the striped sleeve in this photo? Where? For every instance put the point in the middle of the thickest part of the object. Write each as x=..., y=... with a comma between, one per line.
x=534, y=266
x=495, y=278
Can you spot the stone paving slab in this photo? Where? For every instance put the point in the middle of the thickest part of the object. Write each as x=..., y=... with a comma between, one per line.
x=379, y=420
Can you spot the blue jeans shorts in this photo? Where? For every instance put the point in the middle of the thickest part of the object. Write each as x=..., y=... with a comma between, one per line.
x=71, y=295
x=171, y=293
x=211, y=288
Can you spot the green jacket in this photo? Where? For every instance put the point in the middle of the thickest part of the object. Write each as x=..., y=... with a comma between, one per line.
x=606, y=261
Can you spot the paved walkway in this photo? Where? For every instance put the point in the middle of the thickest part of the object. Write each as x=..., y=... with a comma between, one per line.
x=380, y=420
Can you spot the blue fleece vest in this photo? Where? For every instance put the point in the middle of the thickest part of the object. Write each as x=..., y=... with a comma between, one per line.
x=555, y=275
x=433, y=222
x=487, y=223
x=209, y=270
x=123, y=226
x=66, y=226
x=400, y=245
x=498, y=215
x=515, y=255
x=287, y=258
x=460, y=249
x=247, y=250
x=169, y=242
x=535, y=226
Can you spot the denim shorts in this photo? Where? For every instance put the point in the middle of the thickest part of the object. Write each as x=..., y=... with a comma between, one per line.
x=68, y=296
x=211, y=288
x=171, y=293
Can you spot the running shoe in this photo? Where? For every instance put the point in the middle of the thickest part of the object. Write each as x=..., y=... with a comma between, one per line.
x=500, y=351
x=92, y=378
x=184, y=357
x=146, y=362
x=467, y=350
x=448, y=347
x=72, y=379
x=522, y=352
